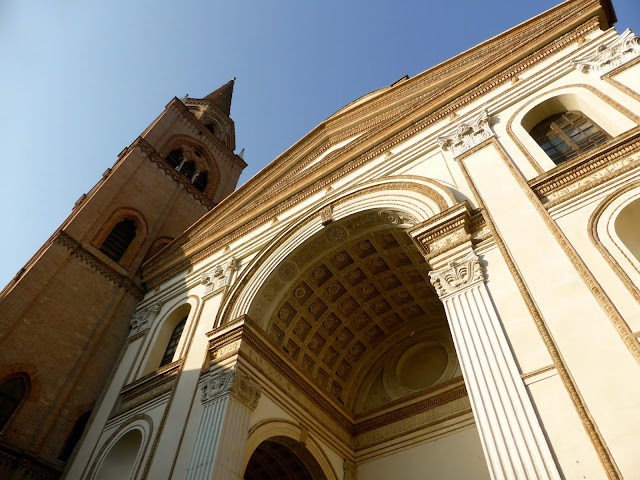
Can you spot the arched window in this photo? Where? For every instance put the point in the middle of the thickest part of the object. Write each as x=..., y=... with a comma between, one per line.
x=210, y=127
x=12, y=391
x=74, y=436
x=170, y=351
x=564, y=135
x=200, y=181
x=174, y=158
x=119, y=239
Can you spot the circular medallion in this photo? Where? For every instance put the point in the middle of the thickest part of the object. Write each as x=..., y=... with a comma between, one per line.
x=336, y=234
x=288, y=271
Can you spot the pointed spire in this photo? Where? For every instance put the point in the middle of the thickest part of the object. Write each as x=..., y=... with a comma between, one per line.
x=222, y=96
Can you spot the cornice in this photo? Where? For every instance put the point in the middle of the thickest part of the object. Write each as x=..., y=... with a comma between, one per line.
x=588, y=170
x=320, y=176
x=97, y=265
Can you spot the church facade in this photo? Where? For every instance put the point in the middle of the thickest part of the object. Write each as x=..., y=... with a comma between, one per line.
x=441, y=280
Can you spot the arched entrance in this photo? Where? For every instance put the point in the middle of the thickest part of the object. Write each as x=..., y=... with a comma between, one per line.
x=282, y=457
x=353, y=308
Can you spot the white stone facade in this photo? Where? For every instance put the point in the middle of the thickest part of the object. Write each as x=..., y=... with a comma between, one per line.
x=440, y=298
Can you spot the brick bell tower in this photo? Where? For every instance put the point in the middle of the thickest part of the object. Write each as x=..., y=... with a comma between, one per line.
x=65, y=316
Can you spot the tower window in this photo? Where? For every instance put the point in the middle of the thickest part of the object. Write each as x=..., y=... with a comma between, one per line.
x=188, y=169
x=174, y=158
x=564, y=135
x=11, y=394
x=119, y=240
x=173, y=343
x=210, y=127
x=200, y=182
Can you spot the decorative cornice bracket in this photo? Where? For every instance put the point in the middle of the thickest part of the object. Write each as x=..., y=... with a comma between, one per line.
x=608, y=57
x=468, y=135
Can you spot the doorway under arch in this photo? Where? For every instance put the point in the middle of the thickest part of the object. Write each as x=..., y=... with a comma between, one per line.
x=282, y=457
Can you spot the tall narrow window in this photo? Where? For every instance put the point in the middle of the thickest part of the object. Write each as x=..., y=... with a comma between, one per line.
x=173, y=343
x=11, y=394
x=119, y=240
x=564, y=135
x=74, y=436
x=188, y=169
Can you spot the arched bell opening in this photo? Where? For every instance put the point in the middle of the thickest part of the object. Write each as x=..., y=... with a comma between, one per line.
x=282, y=457
x=354, y=309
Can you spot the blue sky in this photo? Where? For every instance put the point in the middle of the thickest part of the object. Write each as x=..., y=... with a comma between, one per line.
x=81, y=80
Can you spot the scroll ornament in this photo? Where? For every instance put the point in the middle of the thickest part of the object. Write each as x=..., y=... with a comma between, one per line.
x=468, y=135
x=457, y=275
x=625, y=48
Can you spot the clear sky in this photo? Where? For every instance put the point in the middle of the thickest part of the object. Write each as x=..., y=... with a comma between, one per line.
x=81, y=80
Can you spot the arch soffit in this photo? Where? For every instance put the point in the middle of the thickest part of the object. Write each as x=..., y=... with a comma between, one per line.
x=143, y=423
x=603, y=235
x=271, y=428
x=419, y=196
x=520, y=136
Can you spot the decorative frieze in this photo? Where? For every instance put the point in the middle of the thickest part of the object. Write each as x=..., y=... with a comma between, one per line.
x=608, y=57
x=142, y=320
x=231, y=382
x=457, y=275
x=468, y=135
x=219, y=277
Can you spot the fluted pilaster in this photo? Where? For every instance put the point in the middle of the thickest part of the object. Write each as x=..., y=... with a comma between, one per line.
x=228, y=398
x=514, y=445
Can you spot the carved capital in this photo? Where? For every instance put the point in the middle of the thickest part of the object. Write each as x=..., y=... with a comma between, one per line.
x=625, y=48
x=219, y=277
x=468, y=135
x=457, y=275
x=231, y=382
x=142, y=320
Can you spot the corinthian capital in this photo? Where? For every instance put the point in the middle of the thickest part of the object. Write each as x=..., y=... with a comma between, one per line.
x=142, y=320
x=607, y=57
x=231, y=382
x=468, y=135
x=457, y=275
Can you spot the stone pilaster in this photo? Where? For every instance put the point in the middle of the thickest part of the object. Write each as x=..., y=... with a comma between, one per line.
x=228, y=397
x=513, y=441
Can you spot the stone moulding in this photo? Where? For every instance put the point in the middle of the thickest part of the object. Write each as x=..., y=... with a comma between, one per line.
x=468, y=135
x=608, y=57
x=96, y=265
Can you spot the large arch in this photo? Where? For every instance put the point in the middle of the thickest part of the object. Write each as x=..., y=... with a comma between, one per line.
x=288, y=434
x=418, y=197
